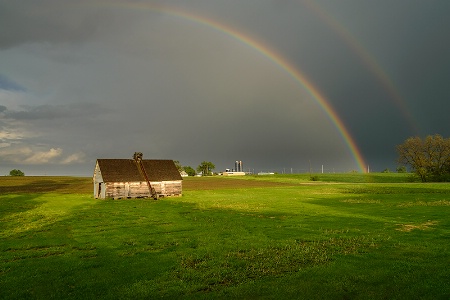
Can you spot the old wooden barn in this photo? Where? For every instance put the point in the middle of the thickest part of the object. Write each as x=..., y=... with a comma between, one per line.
x=136, y=178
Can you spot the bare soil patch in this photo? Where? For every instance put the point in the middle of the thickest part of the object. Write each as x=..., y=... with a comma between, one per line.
x=215, y=183
x=45, y=184
x=83, y=185
x=410, y=227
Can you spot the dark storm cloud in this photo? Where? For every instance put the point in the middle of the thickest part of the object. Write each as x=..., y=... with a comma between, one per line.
x=53, y=21
x=408, y=42
x=107, y=80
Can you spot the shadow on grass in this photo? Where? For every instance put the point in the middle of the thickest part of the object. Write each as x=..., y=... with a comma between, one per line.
x=402, y=189
x=174, y=249
x=143, y=248
x=16, y=204
x=31, y=185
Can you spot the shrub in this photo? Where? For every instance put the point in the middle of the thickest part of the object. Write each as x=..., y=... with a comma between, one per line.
x=314, y=178
x=401, y=169
x=16, y=173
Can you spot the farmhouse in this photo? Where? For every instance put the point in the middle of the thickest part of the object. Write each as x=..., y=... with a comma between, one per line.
x=136, y=178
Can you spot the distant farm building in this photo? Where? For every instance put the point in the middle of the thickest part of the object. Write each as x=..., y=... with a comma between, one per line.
x=136, y=178
x=237, y=171
x=232, y=173
x=238, y=166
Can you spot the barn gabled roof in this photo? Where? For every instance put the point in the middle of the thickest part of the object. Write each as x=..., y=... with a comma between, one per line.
x=127, y=170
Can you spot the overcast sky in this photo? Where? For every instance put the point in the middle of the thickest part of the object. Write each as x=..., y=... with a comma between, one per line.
x=81, y=80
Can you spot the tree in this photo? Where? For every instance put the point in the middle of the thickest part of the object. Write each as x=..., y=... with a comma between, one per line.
x=401, y=169
x=206, y=168
x=189, y=170
x=429, y=158
x=16, y=173
x=178, y=165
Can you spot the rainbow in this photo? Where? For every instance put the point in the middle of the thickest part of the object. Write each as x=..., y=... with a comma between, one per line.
x=270, y=54
x=367, y=59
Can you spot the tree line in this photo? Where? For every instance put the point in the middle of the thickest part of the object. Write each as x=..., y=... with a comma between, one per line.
x=205, y=168
x=428, y=158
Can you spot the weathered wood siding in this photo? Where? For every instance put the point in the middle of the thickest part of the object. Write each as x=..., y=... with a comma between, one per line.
x=126, y=189
x=117, y=190
x=167, y=188
x=172, y=188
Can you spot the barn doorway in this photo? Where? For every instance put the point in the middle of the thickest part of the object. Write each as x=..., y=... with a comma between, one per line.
x=99, y=190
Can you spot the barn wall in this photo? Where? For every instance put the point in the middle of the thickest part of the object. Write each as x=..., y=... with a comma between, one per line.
x=171, y=188
x=99, y=190
x=117, y=190
x=99, y=187
x=126, y=189
x=138, y=189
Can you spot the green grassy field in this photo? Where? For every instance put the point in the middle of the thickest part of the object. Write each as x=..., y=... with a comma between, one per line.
x=346, y=236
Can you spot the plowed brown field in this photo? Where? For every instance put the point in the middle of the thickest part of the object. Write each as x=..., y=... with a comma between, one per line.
x=45, y=184
x=83, y=185
x=218, y=182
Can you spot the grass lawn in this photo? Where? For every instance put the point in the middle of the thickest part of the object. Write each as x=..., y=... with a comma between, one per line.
x=345, y=236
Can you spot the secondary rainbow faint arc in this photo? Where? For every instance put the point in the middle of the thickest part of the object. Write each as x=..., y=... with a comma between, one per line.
x=368, y=60
x=272, y=56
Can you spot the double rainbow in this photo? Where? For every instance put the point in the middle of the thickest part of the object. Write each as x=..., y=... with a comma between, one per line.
x=267, y=52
